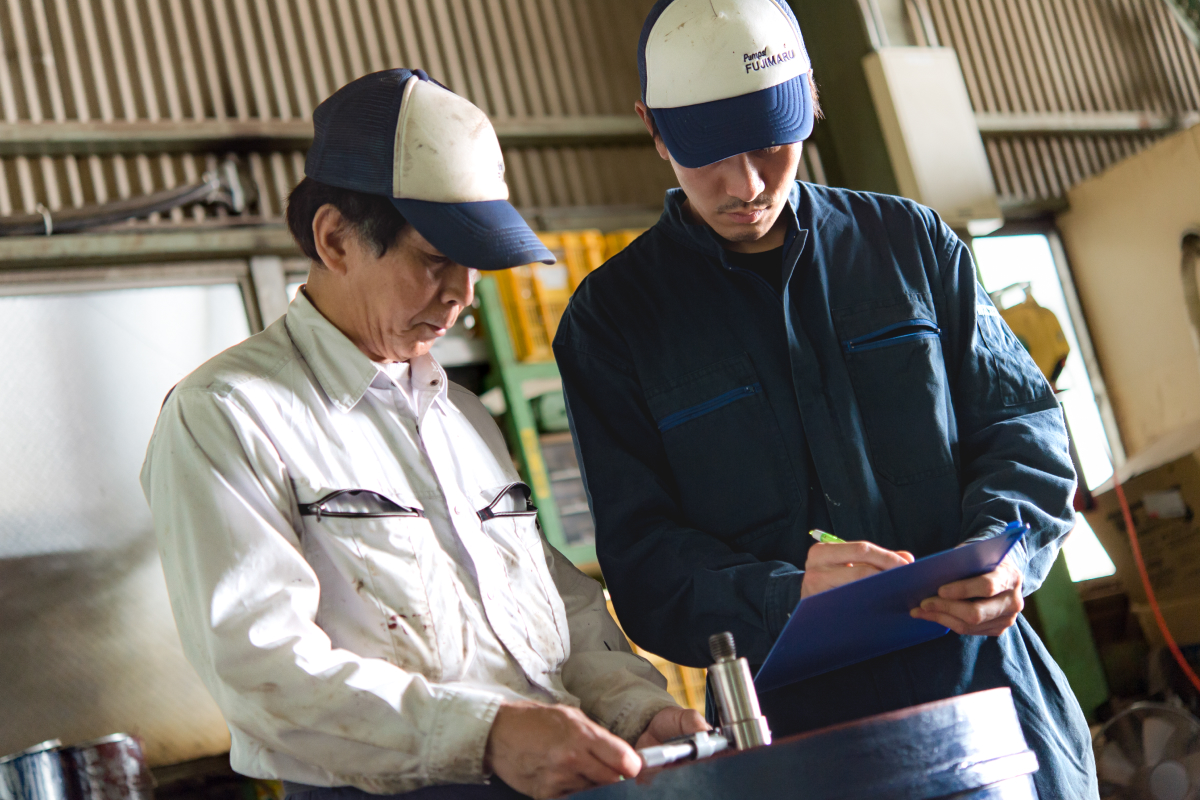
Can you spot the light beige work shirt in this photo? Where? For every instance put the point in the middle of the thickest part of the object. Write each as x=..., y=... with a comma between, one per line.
x=356, y=574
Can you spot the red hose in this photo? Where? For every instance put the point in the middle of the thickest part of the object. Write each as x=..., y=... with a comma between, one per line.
x=1141, y=565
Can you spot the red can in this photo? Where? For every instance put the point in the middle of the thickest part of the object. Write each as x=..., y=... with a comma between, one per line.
x=110, y=768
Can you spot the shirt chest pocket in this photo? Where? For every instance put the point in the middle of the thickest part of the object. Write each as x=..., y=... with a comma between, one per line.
x=372, y=557
x=528, y=598
x=894, y=356
x=724, y=447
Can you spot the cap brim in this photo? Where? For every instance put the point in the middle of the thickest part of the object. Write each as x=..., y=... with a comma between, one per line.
x=705, y=133
x=486, y=235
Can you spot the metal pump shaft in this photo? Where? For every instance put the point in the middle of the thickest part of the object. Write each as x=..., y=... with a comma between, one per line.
x=737, y=702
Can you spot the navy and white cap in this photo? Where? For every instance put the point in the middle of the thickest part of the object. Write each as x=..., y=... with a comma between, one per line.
x=723, y=77
x=399, y=134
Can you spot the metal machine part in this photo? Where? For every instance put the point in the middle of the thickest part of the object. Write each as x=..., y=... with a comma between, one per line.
x=742, y=724
x=109, y=768
x=35, y=773
x=685, y=748
x=737, y=702
x=225, y=186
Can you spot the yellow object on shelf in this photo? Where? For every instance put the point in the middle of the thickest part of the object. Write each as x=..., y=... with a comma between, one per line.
x=267, y=789
x=584, y=250
x=685, y=684
x=616, y=241
x=535, y=296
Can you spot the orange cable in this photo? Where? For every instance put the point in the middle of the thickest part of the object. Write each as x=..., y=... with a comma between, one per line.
x=1141, y=565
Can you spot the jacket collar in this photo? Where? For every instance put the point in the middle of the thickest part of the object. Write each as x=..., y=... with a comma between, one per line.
x=702, y=238
x=342, y=370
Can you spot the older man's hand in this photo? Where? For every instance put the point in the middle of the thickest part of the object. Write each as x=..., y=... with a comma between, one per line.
x=669, y=723
x=551, y=751
x=986, y=605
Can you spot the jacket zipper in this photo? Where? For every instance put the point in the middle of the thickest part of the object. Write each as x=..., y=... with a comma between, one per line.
x=707, y=407
x=921, y=329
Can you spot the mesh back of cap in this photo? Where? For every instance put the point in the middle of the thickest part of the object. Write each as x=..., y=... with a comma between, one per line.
x=354, y=134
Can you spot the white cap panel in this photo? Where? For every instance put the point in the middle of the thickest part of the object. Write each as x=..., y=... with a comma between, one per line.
x=469, y=166
x=704, y=50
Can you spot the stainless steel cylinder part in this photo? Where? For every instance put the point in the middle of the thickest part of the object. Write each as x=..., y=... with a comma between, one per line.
x=737, y=702
x=696, y=746
x=666, y=754
x=35, y=773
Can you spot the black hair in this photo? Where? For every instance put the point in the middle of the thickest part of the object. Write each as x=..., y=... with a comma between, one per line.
x=374, y=219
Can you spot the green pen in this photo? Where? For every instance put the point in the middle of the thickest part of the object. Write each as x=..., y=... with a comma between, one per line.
x=825, y=538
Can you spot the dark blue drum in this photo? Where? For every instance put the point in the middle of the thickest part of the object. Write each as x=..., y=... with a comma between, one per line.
x=36, y=773
x=965, y=747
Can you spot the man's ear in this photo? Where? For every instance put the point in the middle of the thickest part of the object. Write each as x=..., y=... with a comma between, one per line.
x=648, y=121
x=331, y=235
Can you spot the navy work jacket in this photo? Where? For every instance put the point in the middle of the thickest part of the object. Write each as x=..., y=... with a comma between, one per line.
x=881, y=394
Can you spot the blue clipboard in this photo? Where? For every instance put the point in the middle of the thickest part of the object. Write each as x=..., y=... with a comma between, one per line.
x=869, y=617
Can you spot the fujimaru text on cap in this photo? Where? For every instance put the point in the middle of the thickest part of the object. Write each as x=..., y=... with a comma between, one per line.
x=401, y=135
x=723, y=77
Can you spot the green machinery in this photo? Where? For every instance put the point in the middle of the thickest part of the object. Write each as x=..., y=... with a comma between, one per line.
x=511, y=376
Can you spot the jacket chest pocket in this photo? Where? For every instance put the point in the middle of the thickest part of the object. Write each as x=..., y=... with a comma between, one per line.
x=535, y=607
x=724, y=447
x=372, y=559
x=894, y=356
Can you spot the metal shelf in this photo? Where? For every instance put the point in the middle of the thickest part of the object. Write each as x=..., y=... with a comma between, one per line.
x=522, y=426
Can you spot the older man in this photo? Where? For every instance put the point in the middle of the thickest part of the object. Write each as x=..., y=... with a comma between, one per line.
x=353, y=563
x=773, y=357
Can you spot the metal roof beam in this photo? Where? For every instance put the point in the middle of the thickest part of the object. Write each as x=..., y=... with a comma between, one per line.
x=209, y=136
x=112, y=247
x=1089, y=123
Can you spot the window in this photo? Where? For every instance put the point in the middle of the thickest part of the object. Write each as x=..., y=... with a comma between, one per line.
x=1006, y=263
x=85, y=375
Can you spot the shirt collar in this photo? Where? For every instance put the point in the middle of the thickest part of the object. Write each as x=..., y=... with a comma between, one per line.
x=343, y=371
x=422, y=385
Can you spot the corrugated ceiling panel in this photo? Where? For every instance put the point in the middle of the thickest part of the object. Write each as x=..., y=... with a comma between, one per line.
x=106, y=60
x=1051, y=56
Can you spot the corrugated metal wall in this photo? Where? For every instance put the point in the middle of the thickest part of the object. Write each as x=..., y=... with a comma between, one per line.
x=1066, y=56
x=187, y=60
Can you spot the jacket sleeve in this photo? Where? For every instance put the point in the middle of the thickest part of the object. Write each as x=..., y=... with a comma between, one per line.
x=245, y=603
x=668, y=580
x=620, y=690
x=1015, y=457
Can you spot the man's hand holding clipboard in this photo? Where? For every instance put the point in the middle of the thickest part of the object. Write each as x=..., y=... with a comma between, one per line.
x=985, y=605
x=860, y=601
